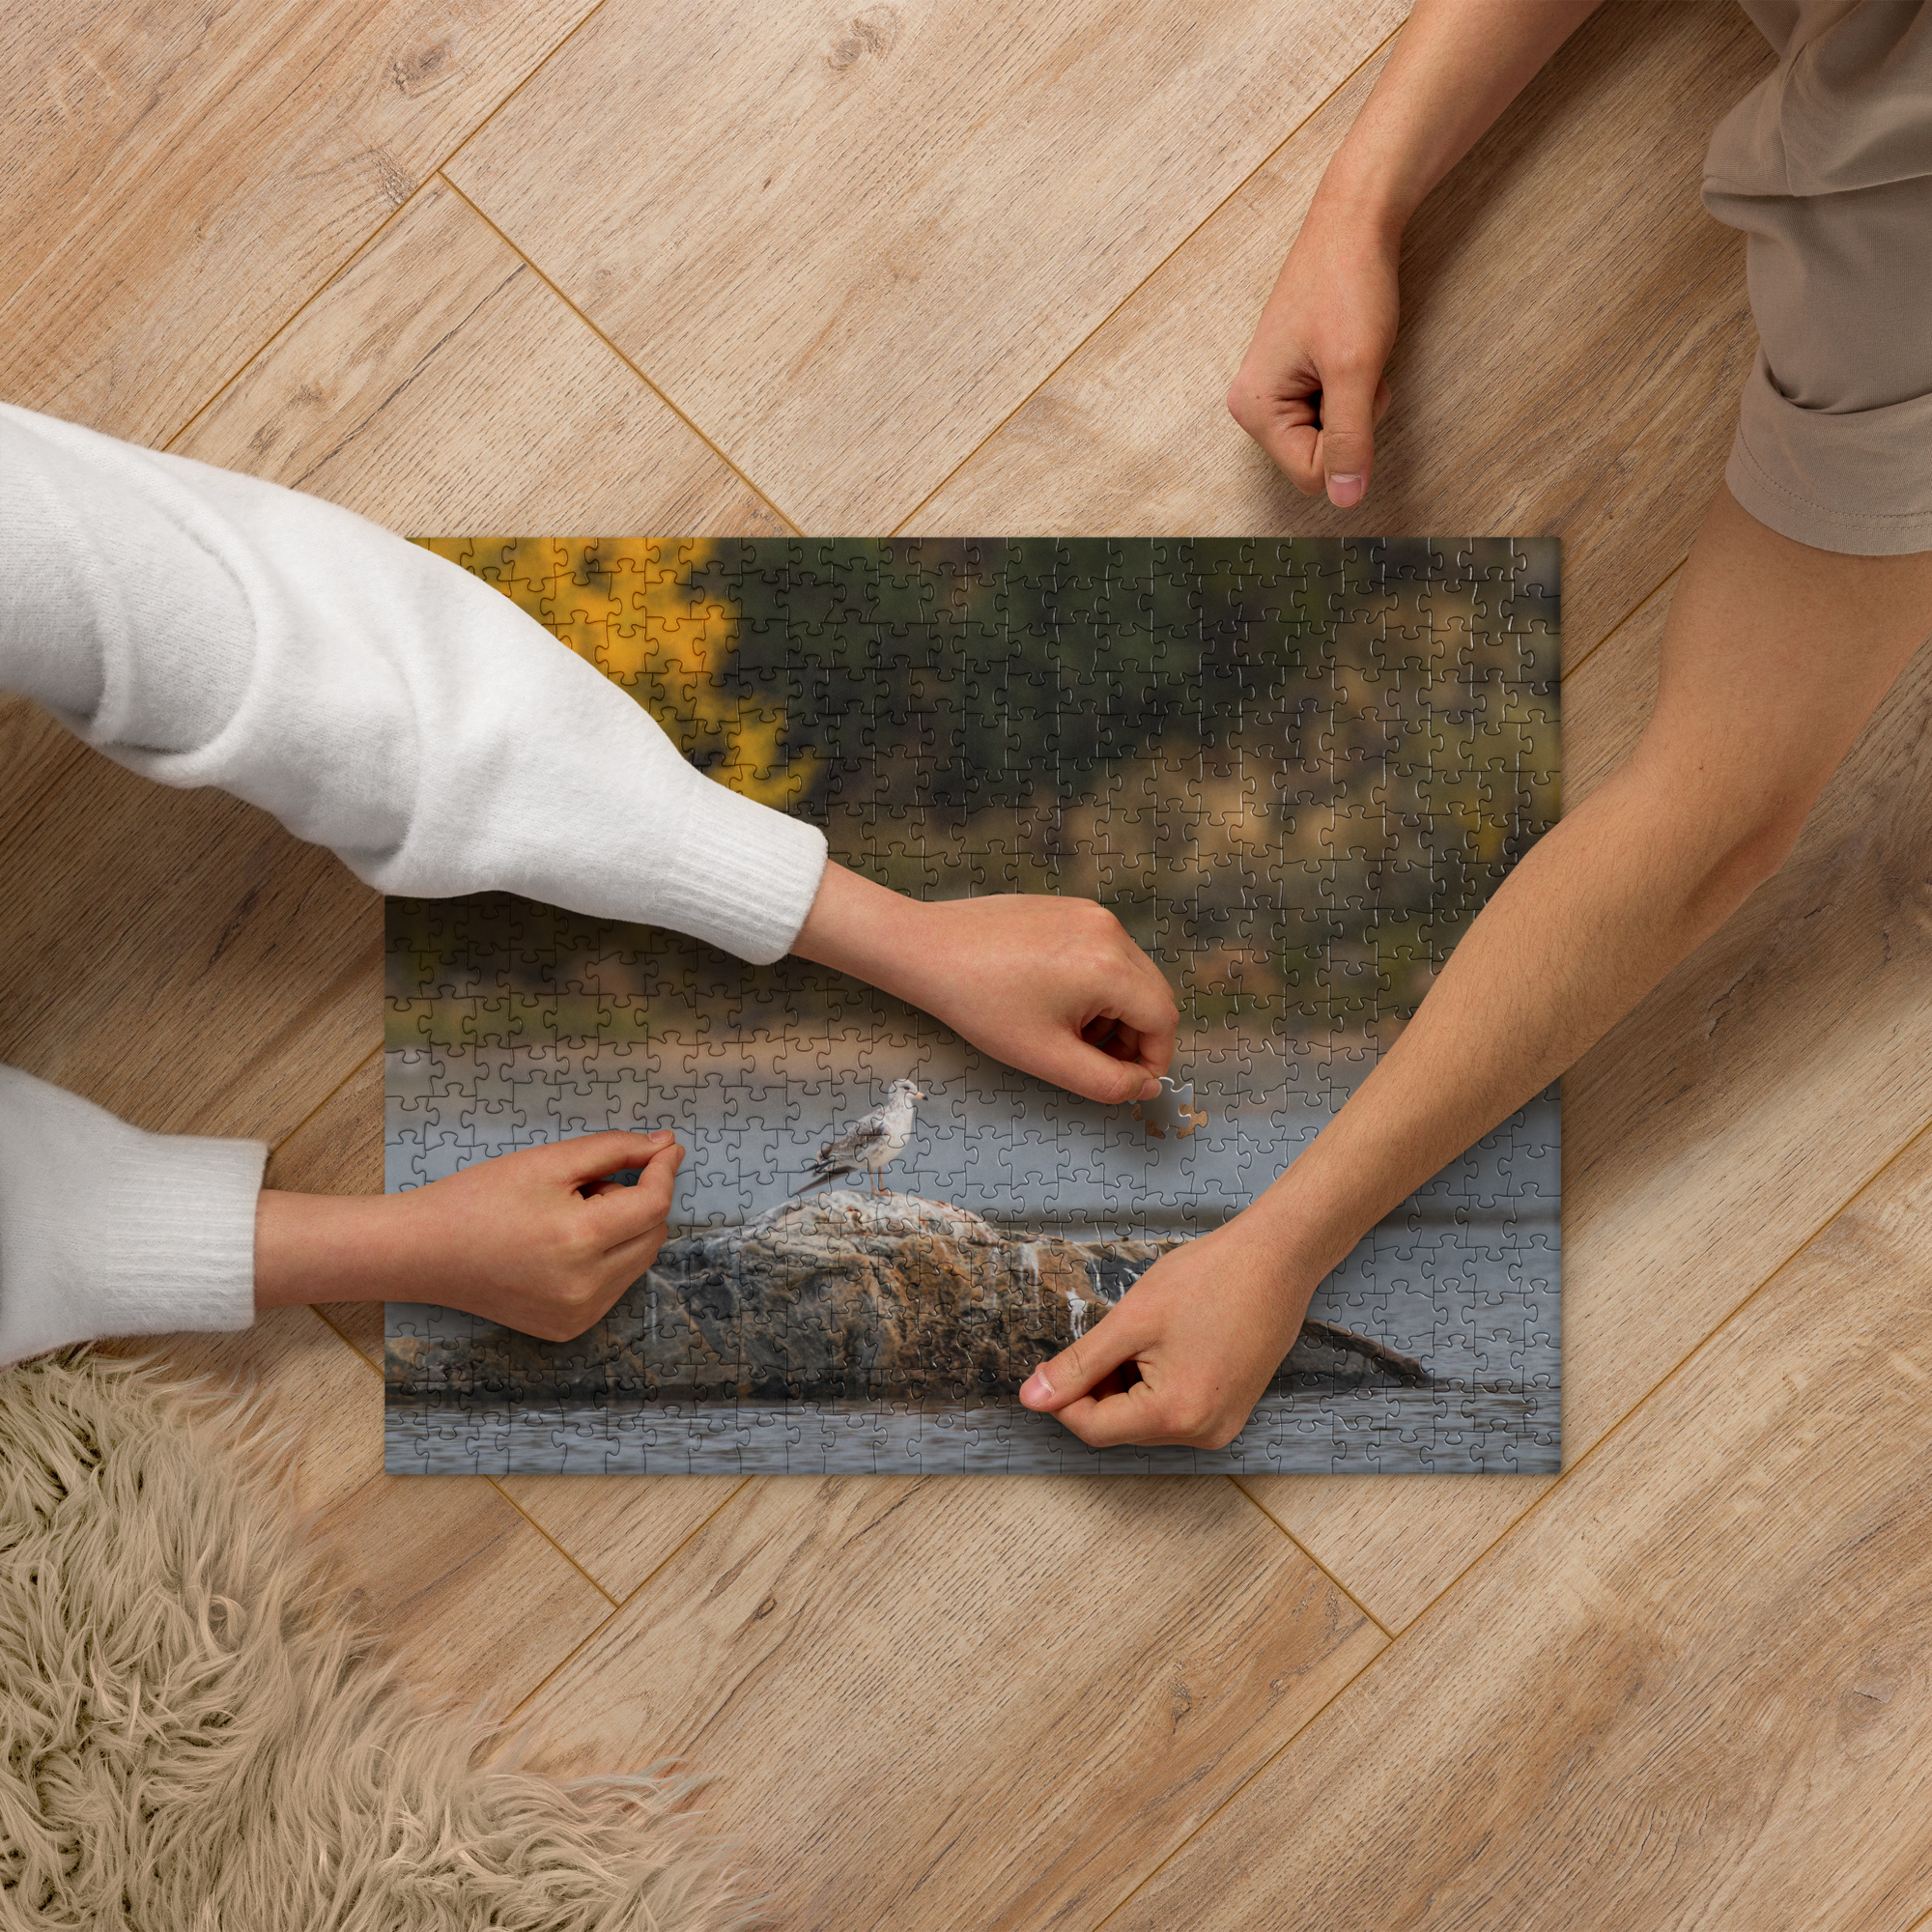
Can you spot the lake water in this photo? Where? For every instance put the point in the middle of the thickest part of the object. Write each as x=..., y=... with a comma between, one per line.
x=1502, y=1430
x=1465, y=1276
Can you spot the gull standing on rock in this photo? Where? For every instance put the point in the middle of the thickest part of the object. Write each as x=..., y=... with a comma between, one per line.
x=870, y=1141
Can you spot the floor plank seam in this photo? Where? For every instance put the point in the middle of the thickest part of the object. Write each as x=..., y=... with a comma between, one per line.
x=618, y=1609
x=276, y=1147
x=431, y=176
x=303, y=307
x=596, y=6
x=645, y=1581
x=1313, y=1558
x=536, y=268
x=551, y=1541
x=1643, y=1402
x=375, y=1368
x=1631, y=610
x=589, y=1636
x=1280, y=147
x=1388, y=1649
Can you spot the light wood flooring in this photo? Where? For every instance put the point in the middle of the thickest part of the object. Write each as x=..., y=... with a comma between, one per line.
x=937, y=267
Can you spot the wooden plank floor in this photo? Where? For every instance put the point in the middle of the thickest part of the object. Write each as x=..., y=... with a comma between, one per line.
x=630, y=267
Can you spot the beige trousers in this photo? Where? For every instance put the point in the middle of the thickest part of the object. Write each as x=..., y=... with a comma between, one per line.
x=1827, y=167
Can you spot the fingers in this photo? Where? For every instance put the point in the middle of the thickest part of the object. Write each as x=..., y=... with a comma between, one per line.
x=1092, y=1072
x=589, y=1157
x=1292, y=435
x=627, y=1214
x=1120, y=1054
x=1115, y=1061
x=628, y=1260
x=1277, y=408
x=1147, y=1412
x=1154, y=1051
x=1146, y=1003
x=1094, y=1388
x=1132, y=1415
x=1084, y=1365
x=1110, y=1073
x=1348, y=411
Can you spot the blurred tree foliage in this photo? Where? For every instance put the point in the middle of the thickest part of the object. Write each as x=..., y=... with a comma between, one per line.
x=1294, y=768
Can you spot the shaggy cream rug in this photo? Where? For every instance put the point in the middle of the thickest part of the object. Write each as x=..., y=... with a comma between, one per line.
x=198, y=1739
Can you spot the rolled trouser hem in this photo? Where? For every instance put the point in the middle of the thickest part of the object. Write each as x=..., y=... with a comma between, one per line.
x=1856, y=481
x=1815, y=524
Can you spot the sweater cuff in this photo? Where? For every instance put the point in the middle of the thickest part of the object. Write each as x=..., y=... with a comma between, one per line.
x=176, y=1244
x=742, y=876
x=105, y=1230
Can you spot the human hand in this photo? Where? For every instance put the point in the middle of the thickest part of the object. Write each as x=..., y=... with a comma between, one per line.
x=1052, y=985
x=1184, y=1356
x=1310, y=389
x=543, y=1240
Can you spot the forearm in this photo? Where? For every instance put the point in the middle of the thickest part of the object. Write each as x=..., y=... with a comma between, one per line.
x=1454, y=66
x=861, y=927
x=1774, y=657
x=1593, y=918
x=1594, y=915
x=328, y=1247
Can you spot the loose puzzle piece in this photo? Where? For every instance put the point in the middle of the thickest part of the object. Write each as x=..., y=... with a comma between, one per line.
x=1294, y=769
x=1170, y=1111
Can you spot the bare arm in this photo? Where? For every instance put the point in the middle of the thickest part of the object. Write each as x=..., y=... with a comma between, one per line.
x=1310, y=389
x=1050, y=984
x=1747, y=728
x=1774, y=657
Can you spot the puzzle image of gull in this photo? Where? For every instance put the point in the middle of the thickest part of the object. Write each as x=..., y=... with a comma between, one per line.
x=1294, y=769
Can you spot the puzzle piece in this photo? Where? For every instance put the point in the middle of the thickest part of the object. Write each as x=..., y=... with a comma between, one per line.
x=1169, y=1112
x=1296, y=769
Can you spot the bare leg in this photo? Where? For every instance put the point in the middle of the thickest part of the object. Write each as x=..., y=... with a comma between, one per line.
x=1774, y=657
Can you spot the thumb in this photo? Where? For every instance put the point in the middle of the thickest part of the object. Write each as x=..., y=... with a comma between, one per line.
x=584, y=1158
x=1349, y=435
x=1075, y=1371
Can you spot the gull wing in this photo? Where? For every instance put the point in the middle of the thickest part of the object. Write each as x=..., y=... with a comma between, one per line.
x=847, y=1150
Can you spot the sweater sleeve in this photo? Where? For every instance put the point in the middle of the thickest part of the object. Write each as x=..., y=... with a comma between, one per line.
x=208, y=629
x=105, y=1230
x=204, y=628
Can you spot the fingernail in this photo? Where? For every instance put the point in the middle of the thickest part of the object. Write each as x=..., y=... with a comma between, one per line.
x=1152, y=1088
x=1037, y=1389
x=1345, y=492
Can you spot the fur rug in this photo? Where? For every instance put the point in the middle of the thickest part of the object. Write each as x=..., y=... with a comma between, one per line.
x=198, y=1739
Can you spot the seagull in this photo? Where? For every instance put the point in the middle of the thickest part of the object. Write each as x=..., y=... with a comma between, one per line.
x=870, y=1141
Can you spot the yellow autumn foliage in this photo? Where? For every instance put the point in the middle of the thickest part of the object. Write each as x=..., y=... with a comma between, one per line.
x=641, y=610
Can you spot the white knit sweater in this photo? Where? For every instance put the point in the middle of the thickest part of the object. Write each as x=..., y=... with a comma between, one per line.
x=208, y=629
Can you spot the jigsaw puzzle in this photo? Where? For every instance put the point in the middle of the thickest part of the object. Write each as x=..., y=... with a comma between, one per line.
x=1294, y=769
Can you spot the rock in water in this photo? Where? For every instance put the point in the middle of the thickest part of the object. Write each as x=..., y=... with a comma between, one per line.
x=844, y=1297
